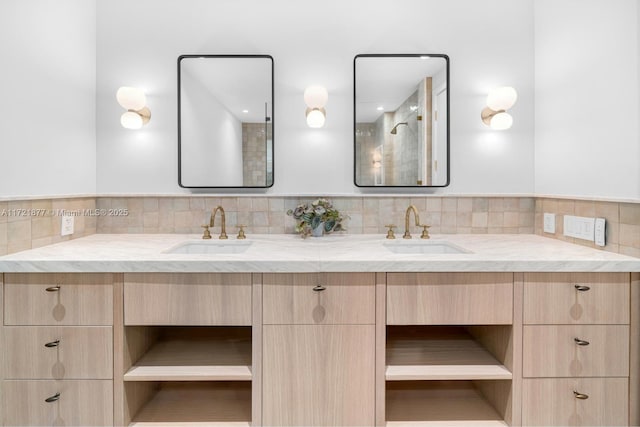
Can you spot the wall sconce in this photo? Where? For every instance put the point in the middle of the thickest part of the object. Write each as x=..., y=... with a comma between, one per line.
x=316, y=98
x=135, y=102
x=499, y=101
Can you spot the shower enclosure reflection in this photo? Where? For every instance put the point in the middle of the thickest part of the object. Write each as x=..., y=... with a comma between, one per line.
x=401, y=120
x=225, y=121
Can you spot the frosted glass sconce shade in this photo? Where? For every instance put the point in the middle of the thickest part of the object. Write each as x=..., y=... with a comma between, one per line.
x=502, y=98
x=131, y=98
x=316, y=98
x=498, y=101
x=131, y=120
x=315, y=117
x=134, y=101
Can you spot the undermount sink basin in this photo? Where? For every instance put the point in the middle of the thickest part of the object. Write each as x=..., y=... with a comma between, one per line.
x=424, y=247
x=210, y=247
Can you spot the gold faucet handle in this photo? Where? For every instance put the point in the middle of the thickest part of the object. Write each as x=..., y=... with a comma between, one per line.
x=390, y=234
x=425, y=232
x=207, y=234
x=241, y=234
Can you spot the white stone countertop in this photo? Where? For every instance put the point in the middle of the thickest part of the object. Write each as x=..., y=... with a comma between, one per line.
x=119, y=253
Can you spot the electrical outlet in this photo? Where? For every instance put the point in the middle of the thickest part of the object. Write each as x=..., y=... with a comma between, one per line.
x=66, y=227
x=549, y=223
x=579, y=227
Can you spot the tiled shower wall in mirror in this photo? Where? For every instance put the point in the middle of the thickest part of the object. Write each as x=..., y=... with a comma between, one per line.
x=23, y=226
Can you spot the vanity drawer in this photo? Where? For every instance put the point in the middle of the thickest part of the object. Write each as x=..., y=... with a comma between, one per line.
x=328, y=298
x=80, y=403
x=449, y=298
x=187, y=299
x=552, y=402
x=58, y=299
x=79, y=353
x=567, y=298
x=552, y=351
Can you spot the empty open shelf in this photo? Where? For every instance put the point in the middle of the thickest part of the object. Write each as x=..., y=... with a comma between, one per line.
x=197, y=404
x=441, y=403
x=439, y=353
x=181, y=354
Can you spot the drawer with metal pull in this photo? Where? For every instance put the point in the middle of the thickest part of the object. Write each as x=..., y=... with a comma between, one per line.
x=327, y=298
x=58, y=352
x=575, y=402
x=576, y=298
x=575, y=351
x=58, y=299
x=68, y=403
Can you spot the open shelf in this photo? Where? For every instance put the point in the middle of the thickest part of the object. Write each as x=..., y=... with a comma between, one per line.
x=441, y=403
x=197, y=404
x=196, y=354
x=439, y=353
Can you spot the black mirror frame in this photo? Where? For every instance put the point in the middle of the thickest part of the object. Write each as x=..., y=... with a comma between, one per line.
x=396, y=55
x=270, y=119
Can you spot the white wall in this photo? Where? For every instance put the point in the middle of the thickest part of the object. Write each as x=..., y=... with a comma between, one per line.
x=47, y=97
x=211, y=138
x=587, y=140
x=138, y=42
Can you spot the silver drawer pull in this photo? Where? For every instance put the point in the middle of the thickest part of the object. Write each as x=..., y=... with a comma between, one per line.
x=581, y=342
x=53, y=288
x=53, y=398
x=582, y=288
x=319, y=288
x=580, y=396
x=52, y=344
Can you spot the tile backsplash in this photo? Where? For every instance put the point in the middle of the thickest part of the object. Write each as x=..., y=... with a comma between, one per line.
x=264, y=215
x=27, y=224
x=623, y=222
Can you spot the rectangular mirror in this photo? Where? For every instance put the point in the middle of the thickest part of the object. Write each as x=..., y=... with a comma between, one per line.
x=225, y=121
x=401, y=120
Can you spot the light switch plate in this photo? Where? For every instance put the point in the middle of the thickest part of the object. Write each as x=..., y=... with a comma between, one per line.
x=600, y=231
x=66, y=227
x=549, y=223
x=579, y=227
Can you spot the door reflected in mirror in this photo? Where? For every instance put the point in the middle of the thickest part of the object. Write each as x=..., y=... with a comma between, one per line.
x=225, y=121
x=401, y=120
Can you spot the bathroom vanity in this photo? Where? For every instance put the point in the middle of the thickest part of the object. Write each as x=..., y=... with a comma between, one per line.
x=517, y=330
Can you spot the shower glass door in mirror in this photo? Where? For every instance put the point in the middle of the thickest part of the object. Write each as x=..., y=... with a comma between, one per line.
x=225, y=121
x=401, y=120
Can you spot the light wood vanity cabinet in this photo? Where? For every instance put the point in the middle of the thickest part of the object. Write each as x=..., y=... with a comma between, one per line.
x=318, y=349
x=58, y=362
x=576, y=347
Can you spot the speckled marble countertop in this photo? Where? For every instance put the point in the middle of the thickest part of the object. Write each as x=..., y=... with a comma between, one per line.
x=333, y=253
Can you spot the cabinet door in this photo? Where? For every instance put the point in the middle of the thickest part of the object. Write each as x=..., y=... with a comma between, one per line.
x=58, y=299
x=449, y=298
x=572, y=298
x=71, y=403
x=552, y=402
x=318, y=375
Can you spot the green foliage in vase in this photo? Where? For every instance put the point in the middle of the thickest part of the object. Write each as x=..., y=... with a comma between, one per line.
x=310, y=215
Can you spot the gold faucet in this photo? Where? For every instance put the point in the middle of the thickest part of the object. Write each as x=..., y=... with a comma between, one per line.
x=212, y=222
x=407, y=235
